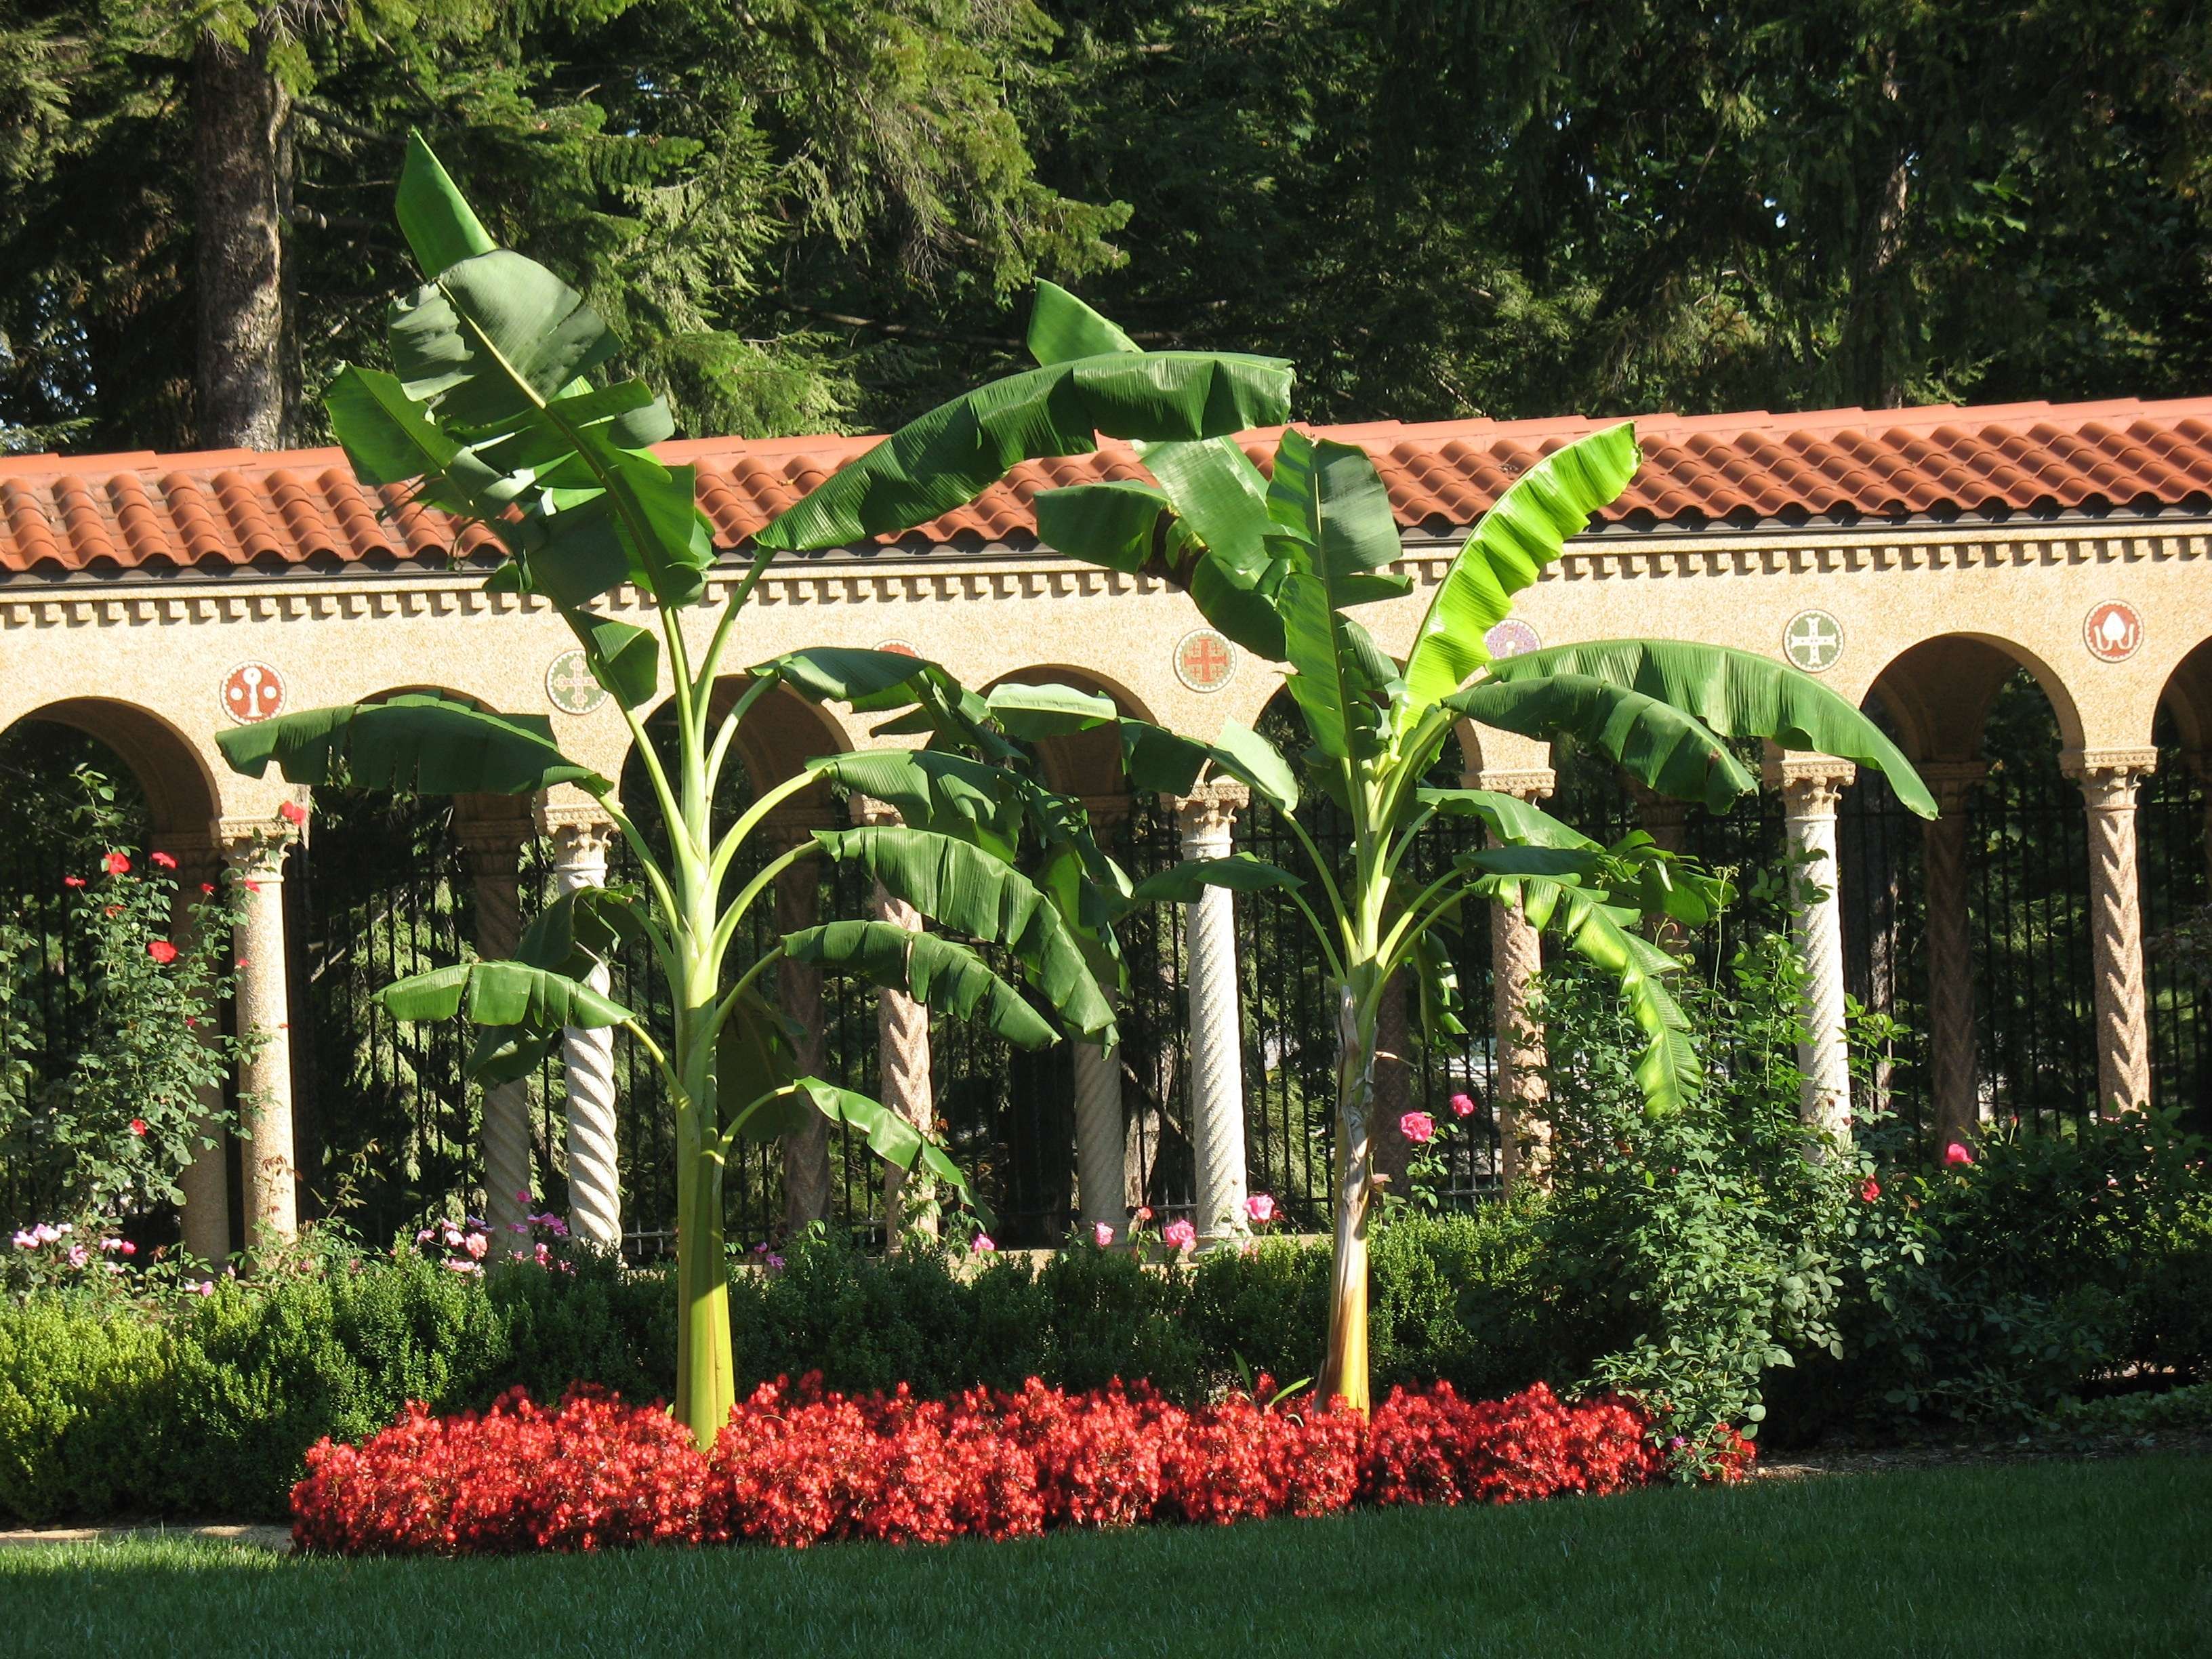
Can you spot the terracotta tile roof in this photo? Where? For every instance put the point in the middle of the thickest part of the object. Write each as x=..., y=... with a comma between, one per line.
x=110, y=514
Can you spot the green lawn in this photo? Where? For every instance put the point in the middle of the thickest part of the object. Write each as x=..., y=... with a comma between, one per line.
x=2100, y=1558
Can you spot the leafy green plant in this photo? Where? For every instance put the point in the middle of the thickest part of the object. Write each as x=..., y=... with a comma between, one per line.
x=489, y=414
x=99, y=1126
x=1278, y=561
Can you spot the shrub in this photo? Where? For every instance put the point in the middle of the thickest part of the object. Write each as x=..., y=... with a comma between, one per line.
x=799, y=1465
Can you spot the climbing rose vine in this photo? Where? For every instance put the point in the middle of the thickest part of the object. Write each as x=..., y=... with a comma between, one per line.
x=798, y=1465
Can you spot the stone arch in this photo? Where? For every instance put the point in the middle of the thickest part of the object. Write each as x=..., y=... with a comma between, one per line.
x=183, y=795
x=1939, y=692
x=2186, y=698
x=1086, y=764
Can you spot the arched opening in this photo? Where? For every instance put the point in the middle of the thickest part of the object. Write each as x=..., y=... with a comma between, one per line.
x=1988, y=723
x=2174, y=833
x=84, y=776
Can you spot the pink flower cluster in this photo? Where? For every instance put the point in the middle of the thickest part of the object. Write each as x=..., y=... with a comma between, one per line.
x=799, y=1465
x=470, y=1242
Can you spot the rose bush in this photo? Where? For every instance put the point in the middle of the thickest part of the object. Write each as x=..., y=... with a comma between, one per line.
x=798, y=1465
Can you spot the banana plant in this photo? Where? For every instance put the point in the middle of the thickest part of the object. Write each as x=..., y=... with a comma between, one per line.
x=1279, y=561
x=490, y=413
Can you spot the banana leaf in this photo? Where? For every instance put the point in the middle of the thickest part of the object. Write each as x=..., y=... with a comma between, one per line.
x=1604, y=933
x=1505, y=552
x=941, y=972
x=965, y=889
x=413, y=744
x=1739, y=694
x=441, y=228
x=1183, y=884
x=947, y=795
x=501, y=994
x=1508, y=818
x=1156, y=761
x=1654, y=742
x=949, y=456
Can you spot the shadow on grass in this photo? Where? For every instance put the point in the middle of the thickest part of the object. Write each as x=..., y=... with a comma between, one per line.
x=2071, y=1558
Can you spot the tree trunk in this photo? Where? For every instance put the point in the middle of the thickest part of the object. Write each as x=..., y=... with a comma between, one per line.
x=240, y=114
x=1344, y=1372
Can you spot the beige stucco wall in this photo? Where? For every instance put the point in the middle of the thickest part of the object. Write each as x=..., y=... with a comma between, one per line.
x=142, y=662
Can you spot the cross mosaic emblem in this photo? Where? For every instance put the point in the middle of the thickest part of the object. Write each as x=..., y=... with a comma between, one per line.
x=570, y=686
x=1204, y=661
x=1510, y=638
x=1813, y=640
x=2113, y=631
x=252, y=691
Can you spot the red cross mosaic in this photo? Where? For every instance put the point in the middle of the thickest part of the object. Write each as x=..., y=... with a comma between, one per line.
x=1204, y=661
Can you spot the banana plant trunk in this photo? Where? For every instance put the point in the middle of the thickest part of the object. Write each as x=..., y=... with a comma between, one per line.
x=1344, y=1371
x=705, y=1386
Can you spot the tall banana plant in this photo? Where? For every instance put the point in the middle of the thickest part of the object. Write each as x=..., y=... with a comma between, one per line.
x=490, y=414
x=1279, y=561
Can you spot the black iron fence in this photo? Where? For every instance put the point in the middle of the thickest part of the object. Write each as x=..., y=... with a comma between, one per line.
x=387, y=1128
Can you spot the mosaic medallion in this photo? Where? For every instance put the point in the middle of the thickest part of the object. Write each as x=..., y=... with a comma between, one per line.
x=252, y=691
x=2113, y=631
x=898, y=648
x=1204, y=661
x=1510, y=638
x=1813, y=640
x=570, y=686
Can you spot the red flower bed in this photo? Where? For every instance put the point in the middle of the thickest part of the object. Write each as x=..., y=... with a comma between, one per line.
x=798, y=1466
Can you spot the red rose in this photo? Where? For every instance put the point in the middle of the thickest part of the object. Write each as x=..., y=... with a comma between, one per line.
x=161, y=861
x=1871, y=1190
x=292, y=813
x=137, y=1126
x=72, y=881
x=162, y=950
x=116, y=863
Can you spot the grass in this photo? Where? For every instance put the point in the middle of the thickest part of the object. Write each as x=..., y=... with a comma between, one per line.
x=2103, y=1558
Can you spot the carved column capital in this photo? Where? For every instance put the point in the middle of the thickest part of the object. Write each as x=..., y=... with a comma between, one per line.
x=1810, y=784
x=1527, y=782
x=1107, y=811
x=581, y=834
x=1208, y=813
x=254, y=847
x=1953, y=782
x=867, y=809
x=2109, y=777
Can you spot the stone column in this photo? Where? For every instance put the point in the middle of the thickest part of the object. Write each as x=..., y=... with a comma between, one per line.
x=1947, y=938
x=588, y=1058
x=2109, y=779
x=1516, y=956
x=1217, y=1037
x=206, y=1180
x=798, y=997
x=494, y=852
x=1811, y=785
x=1663, y=818
x=255, y=855
x=902, y=1054
x=1101, y=1135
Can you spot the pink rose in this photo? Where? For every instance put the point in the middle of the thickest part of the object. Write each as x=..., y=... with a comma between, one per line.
x=1144, y=1213
x=1463, y=1105
x=1419, y=1128
x=205, y=1287
x=1955, y=1154
x=981, y=1244
x=1179, y=1235
x=1260, y=1208
x=477, y=1246
x=1101, y=1234
x=1871, y=1190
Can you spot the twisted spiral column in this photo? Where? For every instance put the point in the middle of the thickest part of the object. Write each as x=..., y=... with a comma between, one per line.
x=1216, y=1042
x=902, y=1052
x=799, y=996
x=2109, y=779
x=255, y=853
x=1811, y=785
x=587, y=1057
x=1516, y=956
x=1101, y=1136
x=205, y=1213
x=1947, y=940
x=495, y=873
